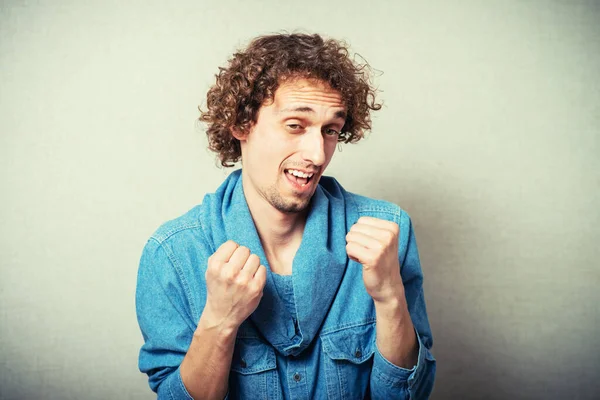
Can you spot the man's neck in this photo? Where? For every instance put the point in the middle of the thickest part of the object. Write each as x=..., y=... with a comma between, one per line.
x=280, y=233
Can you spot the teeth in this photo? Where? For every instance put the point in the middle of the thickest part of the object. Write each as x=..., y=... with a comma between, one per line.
x=299, y=174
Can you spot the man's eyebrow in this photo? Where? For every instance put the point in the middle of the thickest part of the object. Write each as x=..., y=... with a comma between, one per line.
x=338, y=114
x=298, y=109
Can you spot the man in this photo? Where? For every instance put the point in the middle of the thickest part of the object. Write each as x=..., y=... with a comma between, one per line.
x=281, y=284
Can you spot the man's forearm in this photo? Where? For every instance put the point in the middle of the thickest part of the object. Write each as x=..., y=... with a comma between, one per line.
x=396, y=337
x=205, y=368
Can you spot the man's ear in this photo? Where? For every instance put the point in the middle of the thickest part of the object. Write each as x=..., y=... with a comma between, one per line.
x=239, y=134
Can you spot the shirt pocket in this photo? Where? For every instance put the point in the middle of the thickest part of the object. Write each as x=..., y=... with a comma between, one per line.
x=348, y=359
x=253, y=370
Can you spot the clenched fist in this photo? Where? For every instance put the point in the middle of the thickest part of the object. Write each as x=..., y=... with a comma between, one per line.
x=235, y=281
x=373, y=242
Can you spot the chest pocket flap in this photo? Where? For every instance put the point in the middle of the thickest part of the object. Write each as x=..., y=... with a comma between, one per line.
x=355, y=344
x=251, y=356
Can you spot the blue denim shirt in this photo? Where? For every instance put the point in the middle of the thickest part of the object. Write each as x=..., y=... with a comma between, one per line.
x=327, y=350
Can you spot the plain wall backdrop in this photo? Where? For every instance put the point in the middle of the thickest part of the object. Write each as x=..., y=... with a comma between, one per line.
x=489, y=138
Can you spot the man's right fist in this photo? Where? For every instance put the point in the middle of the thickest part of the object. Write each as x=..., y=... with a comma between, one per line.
x=235, y=281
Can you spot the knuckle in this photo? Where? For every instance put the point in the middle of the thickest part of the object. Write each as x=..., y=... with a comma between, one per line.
x=256, y=288
x=260, y=277
x=211, y=269
x=389, y=236
x=261, y=285
x=211, y=262
x=225, y=247
x=252, y=287
x=240, y=282
x=244, y=251
x=229, y=277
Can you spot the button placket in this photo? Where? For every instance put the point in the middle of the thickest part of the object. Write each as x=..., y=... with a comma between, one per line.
x=298, y=379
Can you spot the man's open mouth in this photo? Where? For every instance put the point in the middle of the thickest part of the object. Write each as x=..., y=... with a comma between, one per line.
x=301, y=178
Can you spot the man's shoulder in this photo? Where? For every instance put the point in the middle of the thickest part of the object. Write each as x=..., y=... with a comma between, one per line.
x=364, y=205
x=186, y=222
x=378, y=208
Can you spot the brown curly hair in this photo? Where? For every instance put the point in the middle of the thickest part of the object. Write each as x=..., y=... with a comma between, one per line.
x=253, y=75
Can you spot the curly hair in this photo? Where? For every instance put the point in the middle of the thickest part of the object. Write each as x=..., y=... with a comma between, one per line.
x=252, y=76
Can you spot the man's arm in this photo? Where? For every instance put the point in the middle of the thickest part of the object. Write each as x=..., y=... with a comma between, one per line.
x=234, y=283
x=403, y=366
x=396, y=337
x=205, y=367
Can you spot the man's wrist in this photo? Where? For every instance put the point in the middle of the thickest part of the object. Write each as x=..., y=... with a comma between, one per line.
x=210, y=323
x=393, y=307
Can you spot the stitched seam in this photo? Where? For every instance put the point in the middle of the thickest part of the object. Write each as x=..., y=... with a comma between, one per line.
x=183, y=387
x=328, y=379
x=210, y=243
x=250, y=371
x=181, y=276
x=394, y=382
x=397, y=213
x=346, y=326
x=306, y=389
x=164, y=236
x=341, y=380
x=170, y=393
x=170, y=390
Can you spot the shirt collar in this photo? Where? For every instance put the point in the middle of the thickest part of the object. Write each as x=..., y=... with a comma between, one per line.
x=318, y=265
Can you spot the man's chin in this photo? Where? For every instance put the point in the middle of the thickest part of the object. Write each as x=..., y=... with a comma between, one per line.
x=289, y=203
x=292, y=206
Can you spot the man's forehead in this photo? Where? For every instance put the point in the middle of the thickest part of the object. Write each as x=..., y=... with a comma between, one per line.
x=304, y=95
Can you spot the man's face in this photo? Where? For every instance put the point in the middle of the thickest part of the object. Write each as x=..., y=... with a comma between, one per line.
x=294, y=136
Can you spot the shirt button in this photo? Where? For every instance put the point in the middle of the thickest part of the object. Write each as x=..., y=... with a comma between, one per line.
x=297, y=377
x=358, y=354
x=243, y=363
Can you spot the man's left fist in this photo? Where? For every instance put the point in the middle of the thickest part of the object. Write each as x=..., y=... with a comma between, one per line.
x=373, y=242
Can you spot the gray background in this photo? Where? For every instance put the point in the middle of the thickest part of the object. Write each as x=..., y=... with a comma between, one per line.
x=489, y=138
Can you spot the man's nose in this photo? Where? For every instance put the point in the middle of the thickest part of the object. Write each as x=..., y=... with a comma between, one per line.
x=313, y=145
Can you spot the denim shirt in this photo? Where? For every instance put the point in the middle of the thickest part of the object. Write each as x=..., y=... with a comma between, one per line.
x=327, y=350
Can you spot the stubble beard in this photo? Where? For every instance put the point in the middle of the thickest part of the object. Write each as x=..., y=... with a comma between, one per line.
x=274, y=197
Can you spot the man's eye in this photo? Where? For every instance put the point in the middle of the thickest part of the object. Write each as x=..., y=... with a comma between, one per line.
x=331, y=132
x=294, y=127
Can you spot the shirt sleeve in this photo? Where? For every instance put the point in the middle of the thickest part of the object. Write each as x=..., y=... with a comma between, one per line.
x=389, y=381
x=166, y=327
